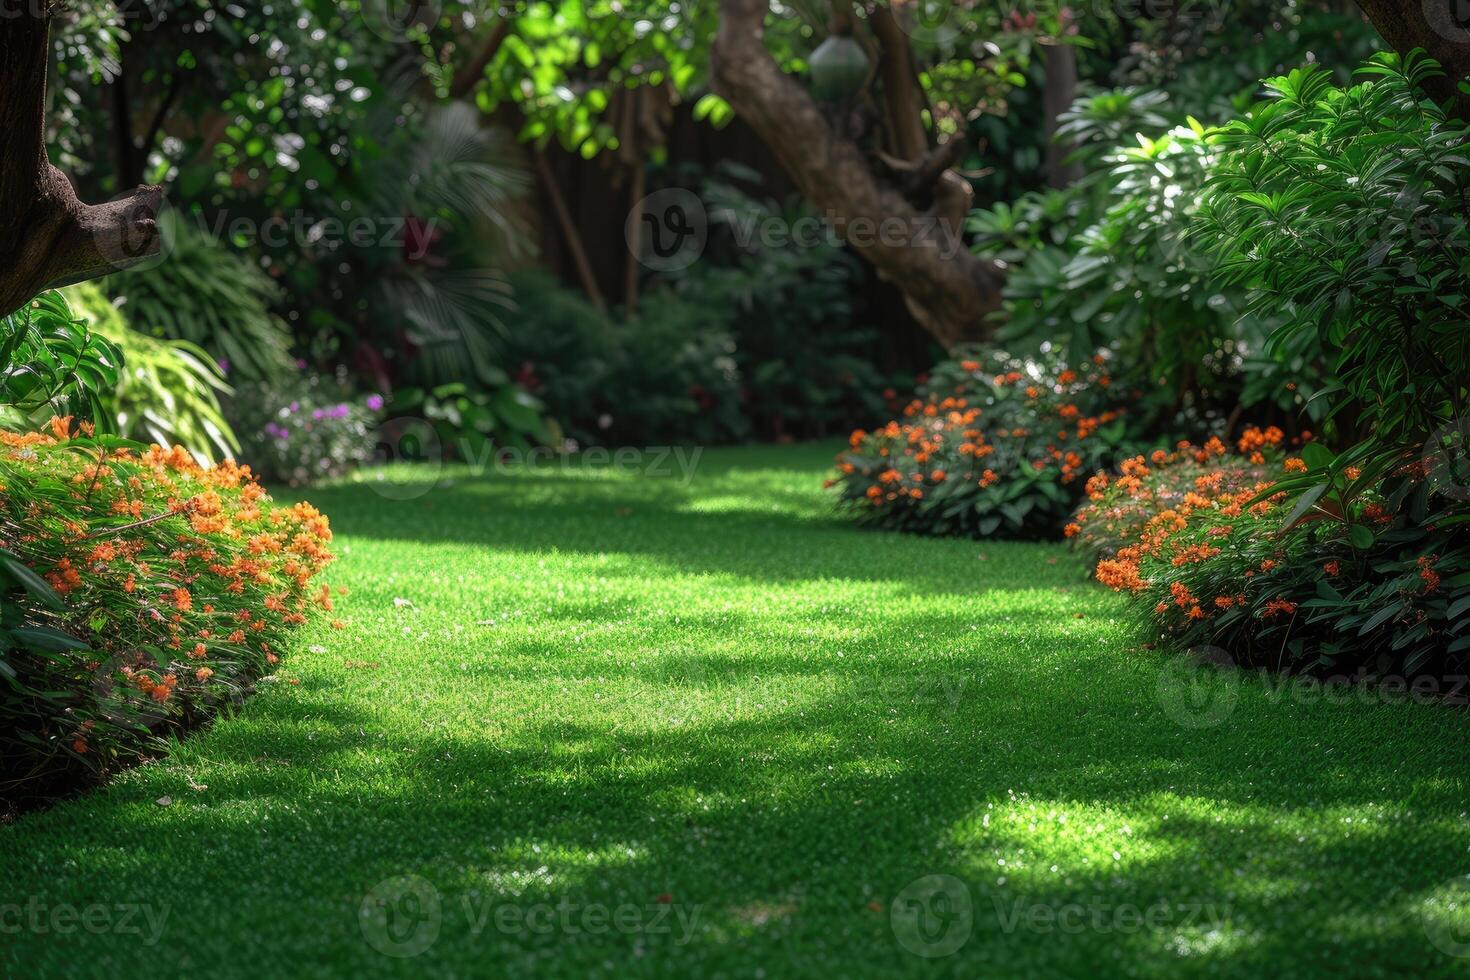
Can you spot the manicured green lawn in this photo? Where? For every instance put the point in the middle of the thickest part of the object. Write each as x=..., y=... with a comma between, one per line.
x=622, y=725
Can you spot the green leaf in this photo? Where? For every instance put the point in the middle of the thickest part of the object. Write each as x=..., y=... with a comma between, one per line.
x=32, y=583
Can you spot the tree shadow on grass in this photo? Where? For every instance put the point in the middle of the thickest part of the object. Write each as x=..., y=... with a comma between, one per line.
x=791, y=801
x=791, y=816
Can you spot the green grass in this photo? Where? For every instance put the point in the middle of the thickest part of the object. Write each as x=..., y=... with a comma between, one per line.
x=750, y=735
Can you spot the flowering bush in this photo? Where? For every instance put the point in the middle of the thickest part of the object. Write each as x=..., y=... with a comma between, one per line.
x=1119, y=507
x=154, y=591
x=307, y=429
x=1233, y=562
x=993, y=443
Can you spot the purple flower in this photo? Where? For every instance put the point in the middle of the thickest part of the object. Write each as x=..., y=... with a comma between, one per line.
x=375, y=403
x=338, y=411
x=224, y=365
x=316, y=413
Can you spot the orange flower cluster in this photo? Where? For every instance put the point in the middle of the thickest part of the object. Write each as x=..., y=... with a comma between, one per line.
x=178, y=577
x=999, y=420
x=1200, y=537
x=1181, y=509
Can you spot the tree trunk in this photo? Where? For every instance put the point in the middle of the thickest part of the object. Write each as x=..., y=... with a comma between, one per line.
x=1056, y=98
x=1433, y=26
x=569, y=231
x=949, y=290
x=48, y=238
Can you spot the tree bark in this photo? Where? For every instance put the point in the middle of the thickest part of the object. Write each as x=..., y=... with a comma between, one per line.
x=49, y=238
x=1056, y=98
x=1431, y=25
x=569, y=231
x=949, y=290
x=900, y=86
x=473, y=71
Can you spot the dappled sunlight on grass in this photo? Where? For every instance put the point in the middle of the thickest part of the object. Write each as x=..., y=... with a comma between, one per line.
x=763, y=732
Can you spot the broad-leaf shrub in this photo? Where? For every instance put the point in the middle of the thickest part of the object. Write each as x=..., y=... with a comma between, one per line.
x=470, y=423
x=51, y=359
x=995, y=444
x=1343, y=209
x=167, y=391
x=1109, y=262
x=144, y=592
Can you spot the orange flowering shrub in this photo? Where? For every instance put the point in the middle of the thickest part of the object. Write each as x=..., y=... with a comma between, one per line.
x=175, y=587
x=1213, y=554
x=995, y=443
x=1120, y=505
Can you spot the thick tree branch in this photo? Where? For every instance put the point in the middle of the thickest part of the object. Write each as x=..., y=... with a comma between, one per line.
x=949, y=290
x=1056, y=98
x=48, y=238
x=471, y=72
x=900, y=85
x=929, y=170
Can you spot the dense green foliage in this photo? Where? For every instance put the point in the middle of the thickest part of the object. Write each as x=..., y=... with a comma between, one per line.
x=167, y=391
x=802, y=341
x=51, y=362
x=206, y=295
x=1342, y=209
x=666, y=375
